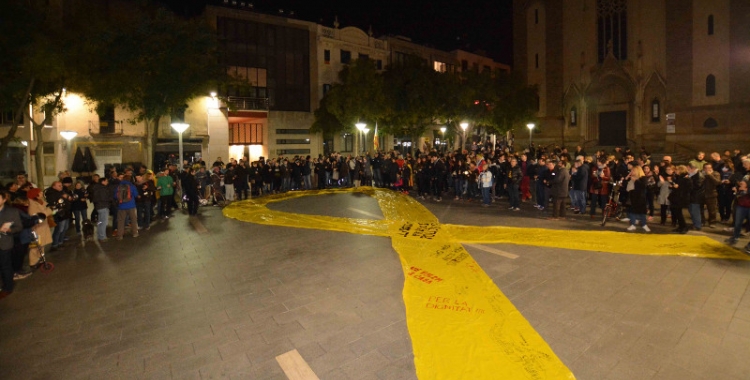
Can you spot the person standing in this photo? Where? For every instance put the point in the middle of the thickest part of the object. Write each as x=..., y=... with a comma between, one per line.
x=165, y=185
x=485, y=184
x=741, y=213
x=697, y=194
x=559, y=190
x=679, y=198
x=513, y=184
x=125, y=196
x=79, y=205
x=637, y=182
x=59, y=202
x=191, y=192
x=10, y=224
x=102, y=198
x=580, y=179
x=711, y=183
x=146, y=190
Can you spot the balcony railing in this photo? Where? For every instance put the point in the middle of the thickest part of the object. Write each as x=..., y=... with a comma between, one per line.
x=247, y=104
x=105, y=128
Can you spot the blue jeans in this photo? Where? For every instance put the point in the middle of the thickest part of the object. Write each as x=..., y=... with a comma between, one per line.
x=578, y=198
x=308, y=182
x=695, y=214
x=58, y=236
x=101, y=228
x=635, y=217
x=740, y=215
x=80, y=216
x=486, y=195
x=144, y=214
x=514, y=195
x=459, y=186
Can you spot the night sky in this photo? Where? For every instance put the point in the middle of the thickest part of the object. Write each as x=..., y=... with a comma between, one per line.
x=470, y=25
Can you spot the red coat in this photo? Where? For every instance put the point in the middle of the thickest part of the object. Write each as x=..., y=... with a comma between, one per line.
x=604, y=179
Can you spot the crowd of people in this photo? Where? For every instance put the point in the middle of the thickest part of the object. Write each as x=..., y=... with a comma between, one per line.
x=714, y=191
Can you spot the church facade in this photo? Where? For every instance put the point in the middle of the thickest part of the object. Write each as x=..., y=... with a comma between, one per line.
x=670, y=75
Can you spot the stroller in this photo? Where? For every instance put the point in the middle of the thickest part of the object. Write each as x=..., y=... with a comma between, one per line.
x=36, y=251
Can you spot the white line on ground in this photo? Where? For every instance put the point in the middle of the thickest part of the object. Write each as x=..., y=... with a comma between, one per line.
x=365, y=213
x=295, y=367
x=493, y=250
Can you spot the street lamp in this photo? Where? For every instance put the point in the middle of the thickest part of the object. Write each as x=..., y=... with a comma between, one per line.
x=530, y=126
x=68, y=135
x=180, y=127
x=361, y=127
x=464, y=125
x=364, y=142
x=442, y=130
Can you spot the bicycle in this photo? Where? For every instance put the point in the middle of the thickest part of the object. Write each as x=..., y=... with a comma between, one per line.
x=218, y=197
x=613, y=207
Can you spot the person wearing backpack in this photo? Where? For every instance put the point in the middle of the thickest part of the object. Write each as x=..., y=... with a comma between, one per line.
x=125, y=195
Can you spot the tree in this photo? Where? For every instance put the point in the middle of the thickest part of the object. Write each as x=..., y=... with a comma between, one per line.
x=155, y=63
x=37, y=63
x=417, y=96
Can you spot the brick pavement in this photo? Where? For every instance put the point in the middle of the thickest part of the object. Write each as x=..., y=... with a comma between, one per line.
x=173, y=303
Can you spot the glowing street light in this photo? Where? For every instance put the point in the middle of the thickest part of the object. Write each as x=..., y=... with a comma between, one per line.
x=530, y=126
x=464, y=125
x=442, y=131
x=361, y=127
x=180, y=127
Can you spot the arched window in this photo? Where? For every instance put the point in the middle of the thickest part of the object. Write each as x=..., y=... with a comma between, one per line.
x=612, y=28
x=710, y=85
x=536, y=61
x=710, y=123
x=573, y=117
x=711, y=25
x=655, y=111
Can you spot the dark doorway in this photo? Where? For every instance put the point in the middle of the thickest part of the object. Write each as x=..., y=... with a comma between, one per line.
x=613, y=128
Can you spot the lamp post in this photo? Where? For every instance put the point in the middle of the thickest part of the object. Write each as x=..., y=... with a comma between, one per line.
x=530, y=126
x=361, y=127
x=68, y=135
x=464, y=125
x=442, y=131
x=180, y=127
x=364, y=142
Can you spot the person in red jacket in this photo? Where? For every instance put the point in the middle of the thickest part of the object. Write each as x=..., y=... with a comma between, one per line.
x=599, y=185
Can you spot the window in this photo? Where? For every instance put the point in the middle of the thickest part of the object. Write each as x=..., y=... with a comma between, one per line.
x=573, y=117
x=536, y=61
x=281, y=152
x=364, y=57
x=327, y=56
x=292, y=141
x=536, y=16
x=612, y=31
x=655, y=111
x=711, y=25
x=49, y=158
x=346, y=56
x=348, y=142
x=107, y=120
x=326, y=88
x=710, y=123
x=439, y=66
x=464, y=65
x=379, y=64
x=710, y=85
x=245, y=134
x=292, y=131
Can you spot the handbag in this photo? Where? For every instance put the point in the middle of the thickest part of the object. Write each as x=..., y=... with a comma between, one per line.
x=51, y=221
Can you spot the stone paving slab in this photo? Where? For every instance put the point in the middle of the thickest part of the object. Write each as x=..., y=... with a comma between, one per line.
x=173, y=303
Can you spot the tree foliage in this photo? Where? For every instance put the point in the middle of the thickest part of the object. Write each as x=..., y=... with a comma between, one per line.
x=410, y=98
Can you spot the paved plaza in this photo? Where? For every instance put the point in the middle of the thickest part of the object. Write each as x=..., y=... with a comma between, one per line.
x=183, y=302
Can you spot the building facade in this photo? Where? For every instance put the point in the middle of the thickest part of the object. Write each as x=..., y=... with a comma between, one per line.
x=671, y=75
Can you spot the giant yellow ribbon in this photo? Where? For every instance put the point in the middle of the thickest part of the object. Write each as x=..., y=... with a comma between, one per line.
x=461, y=325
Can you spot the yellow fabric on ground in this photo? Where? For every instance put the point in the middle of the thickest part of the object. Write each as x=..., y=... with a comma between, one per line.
x=461, y=325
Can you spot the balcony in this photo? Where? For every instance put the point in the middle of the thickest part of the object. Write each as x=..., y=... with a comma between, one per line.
x=235, y=103
x=105, y=128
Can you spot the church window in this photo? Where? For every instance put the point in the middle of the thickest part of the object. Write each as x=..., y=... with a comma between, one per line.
x=710, y=123
x=710, y=85
x=711, y=25
x=612, y=28
x=536, y=61
x=655, y=111
x=536, y=16
x=573, y=117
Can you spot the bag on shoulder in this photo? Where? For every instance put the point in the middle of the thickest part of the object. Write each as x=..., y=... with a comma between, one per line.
x=743, y=201
x=123, y=193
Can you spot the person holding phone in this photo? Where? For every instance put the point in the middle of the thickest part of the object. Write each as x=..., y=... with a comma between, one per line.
x=10, y=223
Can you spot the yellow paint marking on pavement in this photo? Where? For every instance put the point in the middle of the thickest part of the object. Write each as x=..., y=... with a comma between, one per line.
x=462, y=326
x=295, y=367
x=493, y=250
